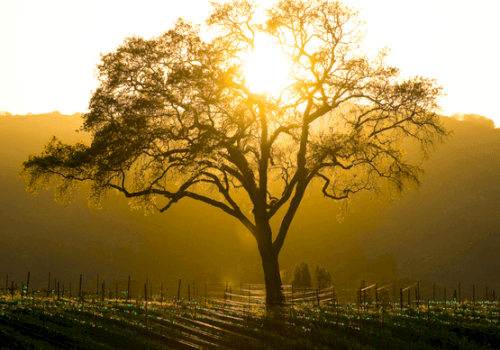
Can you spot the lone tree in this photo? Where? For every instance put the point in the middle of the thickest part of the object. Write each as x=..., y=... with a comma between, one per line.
x=322, y=277
x=302, y=276
x=174, y=117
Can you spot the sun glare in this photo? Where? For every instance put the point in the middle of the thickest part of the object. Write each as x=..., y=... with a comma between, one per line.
x=267, y=69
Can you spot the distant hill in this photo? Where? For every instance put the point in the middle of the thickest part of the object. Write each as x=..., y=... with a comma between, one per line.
x=448, y=230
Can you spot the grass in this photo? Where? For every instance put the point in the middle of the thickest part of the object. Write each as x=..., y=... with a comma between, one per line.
x=49, y=323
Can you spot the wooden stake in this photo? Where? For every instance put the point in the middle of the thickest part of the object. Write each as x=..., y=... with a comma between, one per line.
x=179, y=291
x=459, y=296
x=146, y=303
x=128, y=290
x=401, y=298
x=28, y=283
x=161, y=295
x=80, y=295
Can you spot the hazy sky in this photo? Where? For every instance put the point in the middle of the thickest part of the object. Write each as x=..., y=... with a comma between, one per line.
x=49, y=48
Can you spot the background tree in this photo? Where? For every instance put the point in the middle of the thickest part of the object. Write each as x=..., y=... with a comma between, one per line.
x=174, y=118
x=475, y=119
x=301, y=276
x=322, y=278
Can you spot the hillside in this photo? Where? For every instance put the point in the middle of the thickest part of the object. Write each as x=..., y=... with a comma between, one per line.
x=448, y=230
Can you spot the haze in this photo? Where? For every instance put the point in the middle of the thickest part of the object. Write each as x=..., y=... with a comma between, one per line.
x=50, y=48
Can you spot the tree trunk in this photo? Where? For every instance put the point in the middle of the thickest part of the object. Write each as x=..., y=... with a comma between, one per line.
x=274, y=293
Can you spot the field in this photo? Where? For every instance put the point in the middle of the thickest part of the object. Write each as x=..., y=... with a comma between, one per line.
x=238, y=321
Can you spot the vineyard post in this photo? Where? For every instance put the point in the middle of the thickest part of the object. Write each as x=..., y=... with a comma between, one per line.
x=444, y=292
x=97, y=288
x=179, y=292
x=459, y=295
x=12, y=289
x=128, y=289
x=409, y=297
x=337, y=309
x=28, y=283
x=364, y=299
x=80, y=295
x=317, y=297
x=57, y=290
x=189, y=294
x=225, y=294
x=428, y=312
x=474, y=294
x=394, y=294
x=70, y=291
x=333, y=293
x=230, y=292
x=359, y=299
x=146, y=304
x=418, y=295
x=48, y=288
x=62, y=292
x=103, y=290
x=116, y=295
x=161, y=295
x=32, y=297
x=194, y=290
x=55, y=286
x=376, y=295
x=401, y=298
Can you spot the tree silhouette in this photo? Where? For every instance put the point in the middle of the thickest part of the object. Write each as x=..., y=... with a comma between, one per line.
x=173, y=118
x=322, y=277
x=301, y=276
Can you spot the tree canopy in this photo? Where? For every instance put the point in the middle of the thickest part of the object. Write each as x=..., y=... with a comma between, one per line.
x=322, y=277
x=301, y=276
x=174, y=118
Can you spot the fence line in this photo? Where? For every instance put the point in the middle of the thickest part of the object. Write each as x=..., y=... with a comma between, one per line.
x=410, y=295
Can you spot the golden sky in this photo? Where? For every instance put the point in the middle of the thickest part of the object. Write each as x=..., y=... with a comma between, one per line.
x=49, y=49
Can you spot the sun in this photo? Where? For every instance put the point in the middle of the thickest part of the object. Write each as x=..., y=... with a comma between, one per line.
x=267, y=69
